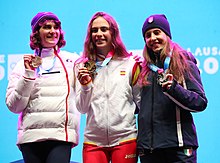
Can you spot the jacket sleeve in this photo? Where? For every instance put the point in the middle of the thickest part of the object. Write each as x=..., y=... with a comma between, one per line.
x=83, y=95
x=193, y=98
x=136, y=88
x=20, y=84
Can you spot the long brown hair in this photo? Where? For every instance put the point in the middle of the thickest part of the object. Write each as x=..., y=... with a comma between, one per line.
x=179, y=66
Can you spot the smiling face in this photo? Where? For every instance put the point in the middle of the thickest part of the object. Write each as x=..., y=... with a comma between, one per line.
x=155, y=39
x=49, y=34
x=101, y=35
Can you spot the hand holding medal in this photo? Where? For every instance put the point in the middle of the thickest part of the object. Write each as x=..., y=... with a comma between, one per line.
x=91, y=66
x=36, y=61
x=31, y=62
x=165, y=80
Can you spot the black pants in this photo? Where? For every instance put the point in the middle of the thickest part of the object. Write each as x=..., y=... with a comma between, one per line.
x=46, y=152
x=169, y=155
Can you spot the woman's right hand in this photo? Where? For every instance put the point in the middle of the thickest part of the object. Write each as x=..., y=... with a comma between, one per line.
x=28, y=61
x=83, y=75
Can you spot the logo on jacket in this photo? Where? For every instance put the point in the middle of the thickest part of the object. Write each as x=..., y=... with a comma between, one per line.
x=188, y=152
x=122, y=72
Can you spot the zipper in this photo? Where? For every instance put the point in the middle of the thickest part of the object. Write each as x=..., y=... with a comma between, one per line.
x=106, y=103
x=152, y=106
x=151, y=150
x=154, y=75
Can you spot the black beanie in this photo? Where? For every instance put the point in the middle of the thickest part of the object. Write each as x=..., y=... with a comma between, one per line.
x=157, y=21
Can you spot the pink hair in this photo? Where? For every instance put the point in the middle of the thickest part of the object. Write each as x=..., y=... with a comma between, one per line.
x=118, y=46
x=35, y=41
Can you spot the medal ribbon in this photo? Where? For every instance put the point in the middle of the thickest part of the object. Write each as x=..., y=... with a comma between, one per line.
x=106, y=61
x=40, y=69
x=166, y=63
x=107, y=58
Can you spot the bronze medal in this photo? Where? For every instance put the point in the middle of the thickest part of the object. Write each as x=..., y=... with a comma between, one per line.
x=36, y=61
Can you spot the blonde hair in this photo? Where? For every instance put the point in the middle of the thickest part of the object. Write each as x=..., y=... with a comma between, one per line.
x=178, y=66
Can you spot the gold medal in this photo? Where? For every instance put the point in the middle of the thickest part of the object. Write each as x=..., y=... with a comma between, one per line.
x=91, y=66
x=36, y=61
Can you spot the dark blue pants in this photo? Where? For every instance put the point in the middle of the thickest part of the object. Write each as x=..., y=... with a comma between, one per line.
x=46, y=152
x=168, y=155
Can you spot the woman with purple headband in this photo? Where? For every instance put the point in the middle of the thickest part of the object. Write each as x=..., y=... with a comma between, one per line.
x=172, y=90
x=41, y=90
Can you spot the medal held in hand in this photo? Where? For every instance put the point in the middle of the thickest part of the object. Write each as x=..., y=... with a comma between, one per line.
x=91, y=66
x=161, y=78
x=36, y=61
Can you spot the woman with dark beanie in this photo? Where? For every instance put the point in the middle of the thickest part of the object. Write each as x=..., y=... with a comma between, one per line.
x=41, y=90
x=172, y=90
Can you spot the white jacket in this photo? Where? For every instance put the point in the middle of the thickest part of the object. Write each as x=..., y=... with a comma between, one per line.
x=110, y=102
x=46, y=102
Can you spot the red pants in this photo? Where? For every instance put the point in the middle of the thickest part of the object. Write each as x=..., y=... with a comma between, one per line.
x=123, y=153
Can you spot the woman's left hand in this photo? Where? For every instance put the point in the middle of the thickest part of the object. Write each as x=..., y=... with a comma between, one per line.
x=168, y=83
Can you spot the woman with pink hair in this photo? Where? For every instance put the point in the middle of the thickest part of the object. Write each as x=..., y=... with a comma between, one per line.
x=41, y=90
x=108, y=93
